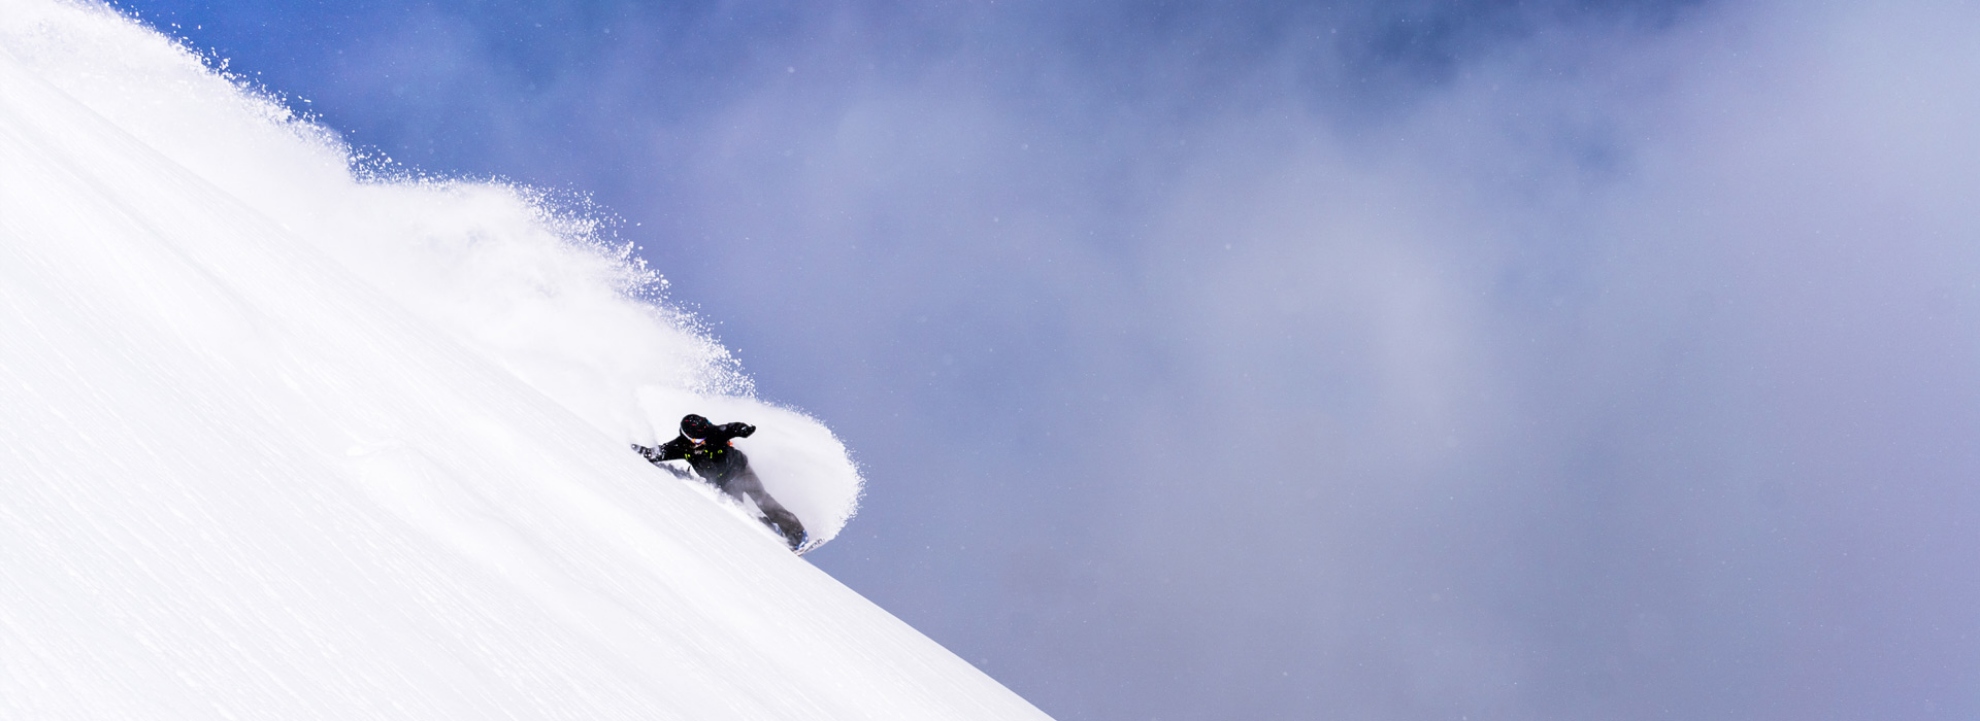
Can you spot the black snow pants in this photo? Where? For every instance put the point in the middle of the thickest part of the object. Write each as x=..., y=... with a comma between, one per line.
x=745, y=484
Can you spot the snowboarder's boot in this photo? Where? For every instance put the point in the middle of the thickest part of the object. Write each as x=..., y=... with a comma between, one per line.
x=786, y=524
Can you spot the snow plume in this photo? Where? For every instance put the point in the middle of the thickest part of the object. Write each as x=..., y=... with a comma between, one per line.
x=533, y=286
x=245, y=473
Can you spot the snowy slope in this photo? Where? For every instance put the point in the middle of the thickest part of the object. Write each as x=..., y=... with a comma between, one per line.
x=279, y=444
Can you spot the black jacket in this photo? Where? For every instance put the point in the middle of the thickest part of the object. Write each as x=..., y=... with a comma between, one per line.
x=713, y=457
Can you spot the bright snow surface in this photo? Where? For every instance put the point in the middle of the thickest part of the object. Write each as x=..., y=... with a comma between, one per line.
x=278, y=443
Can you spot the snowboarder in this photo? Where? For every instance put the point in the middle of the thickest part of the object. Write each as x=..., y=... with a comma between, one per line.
x=705, y=446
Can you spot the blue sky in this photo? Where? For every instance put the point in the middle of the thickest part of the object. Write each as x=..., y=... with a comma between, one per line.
x=1278, y=360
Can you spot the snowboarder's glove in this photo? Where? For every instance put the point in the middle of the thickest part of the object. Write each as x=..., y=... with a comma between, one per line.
x=744, y=429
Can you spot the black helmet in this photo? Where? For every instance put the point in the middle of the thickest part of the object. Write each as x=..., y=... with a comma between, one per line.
x=695, y=427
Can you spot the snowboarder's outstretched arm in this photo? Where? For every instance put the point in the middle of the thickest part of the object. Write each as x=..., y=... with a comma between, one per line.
x=681, y=445
x=671, y=450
